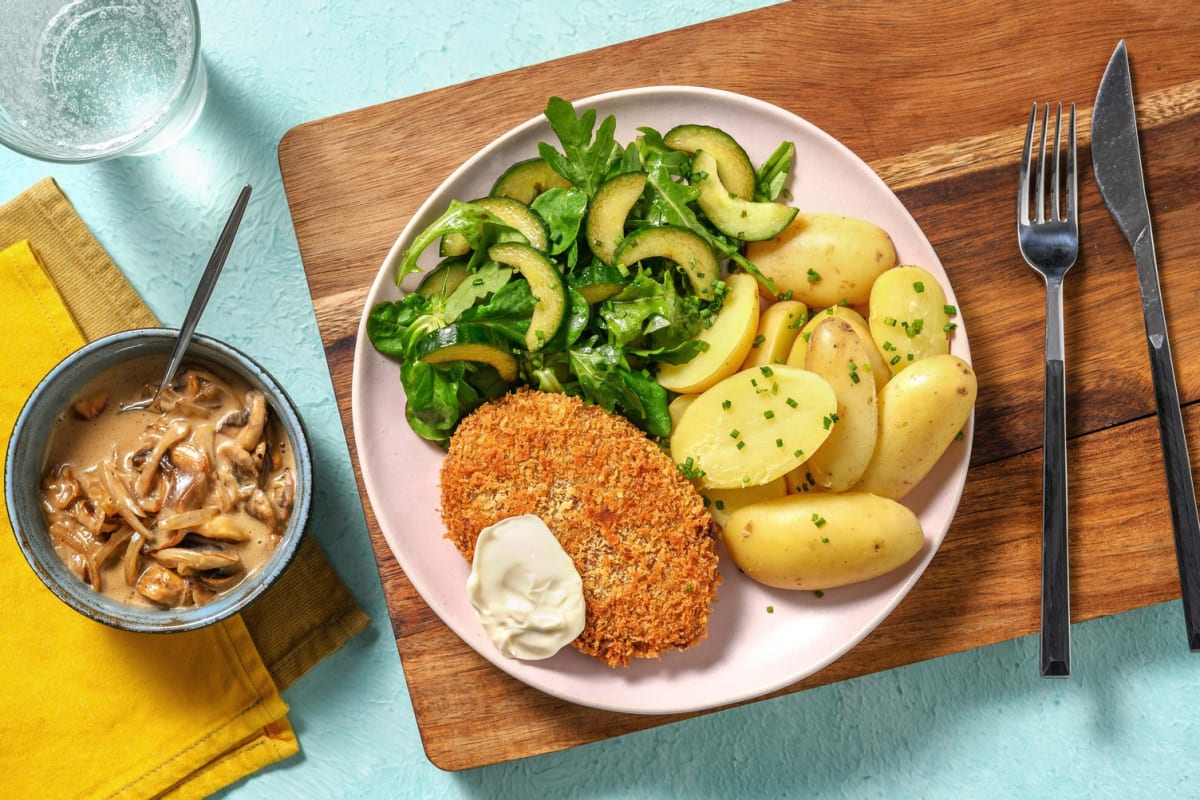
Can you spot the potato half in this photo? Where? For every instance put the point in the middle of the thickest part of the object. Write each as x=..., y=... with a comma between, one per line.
x=755, y=426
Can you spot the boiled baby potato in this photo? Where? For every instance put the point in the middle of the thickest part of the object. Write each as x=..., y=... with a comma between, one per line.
x=677, y=406
x=778, y=328
x=909, y=316
x=825, y=259
x=822, y=541
x=723, y=502
x=754, y=426
x=837, y=354
x=921, y=411
x=878, y=368
x=729, y=341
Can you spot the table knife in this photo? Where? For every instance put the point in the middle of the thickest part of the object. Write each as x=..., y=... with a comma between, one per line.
x=1117, y=166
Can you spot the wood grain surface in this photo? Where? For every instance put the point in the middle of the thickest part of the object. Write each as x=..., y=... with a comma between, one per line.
x=935, y=97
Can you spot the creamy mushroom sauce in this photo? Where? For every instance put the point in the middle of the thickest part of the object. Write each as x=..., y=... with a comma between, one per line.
x=174, y=505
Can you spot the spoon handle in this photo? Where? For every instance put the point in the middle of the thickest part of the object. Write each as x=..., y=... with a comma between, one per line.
x=205, y=287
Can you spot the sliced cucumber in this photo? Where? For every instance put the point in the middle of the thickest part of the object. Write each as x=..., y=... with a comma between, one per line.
x=546, y=283
x=443, y=279
x=525, y=180
x=597, y=282
x=464, y=341
x=511, y=212
x=680, y=245
x=608, y=211
x=733, y=165
x=733, y=216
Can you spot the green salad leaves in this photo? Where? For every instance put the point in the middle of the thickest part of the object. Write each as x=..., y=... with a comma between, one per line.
x=464, y=336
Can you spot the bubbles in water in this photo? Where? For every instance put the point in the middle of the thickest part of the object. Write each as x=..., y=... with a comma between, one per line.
x=107, y=71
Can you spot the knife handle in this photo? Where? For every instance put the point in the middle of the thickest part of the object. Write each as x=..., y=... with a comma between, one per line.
x=1056, y=599
x=1181, y=492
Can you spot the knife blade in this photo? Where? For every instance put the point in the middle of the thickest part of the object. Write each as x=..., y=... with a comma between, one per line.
x=1117, y=166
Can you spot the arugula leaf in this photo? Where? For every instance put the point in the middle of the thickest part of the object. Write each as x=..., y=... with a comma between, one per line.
x=563, y=210
x=507, y=312
x=490, y=278
x=606, y=380
x=461, y=218
x=585, y=162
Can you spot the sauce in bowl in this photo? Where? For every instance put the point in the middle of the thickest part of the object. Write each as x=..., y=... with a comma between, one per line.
x=171, y=506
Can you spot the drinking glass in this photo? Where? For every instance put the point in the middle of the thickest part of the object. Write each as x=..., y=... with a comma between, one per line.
x=84, y=80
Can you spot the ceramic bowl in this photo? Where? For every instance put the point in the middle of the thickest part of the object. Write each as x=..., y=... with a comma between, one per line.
x=25, y=466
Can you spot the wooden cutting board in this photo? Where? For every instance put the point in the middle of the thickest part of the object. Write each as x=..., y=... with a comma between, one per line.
x=935, y=98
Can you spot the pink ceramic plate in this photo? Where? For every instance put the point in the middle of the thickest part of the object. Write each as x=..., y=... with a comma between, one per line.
x=760, y=639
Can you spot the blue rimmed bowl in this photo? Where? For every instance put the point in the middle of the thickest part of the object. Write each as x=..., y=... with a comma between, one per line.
x=26, y=463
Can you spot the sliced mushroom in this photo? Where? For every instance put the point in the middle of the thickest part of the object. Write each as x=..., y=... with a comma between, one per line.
x=261, y=508
x=225, y=487
x=224, y=528
x=188, y=483
x=187, y=561
x=240, y=464
x=201, y=594
x=233, y=419
x=258, y=457
x=162, y=586
x=252, y=431
x=90, y=407
x=220, y=581
x=283, y=493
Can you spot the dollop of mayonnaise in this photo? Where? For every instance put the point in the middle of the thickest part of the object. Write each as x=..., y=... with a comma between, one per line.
x=525, y=589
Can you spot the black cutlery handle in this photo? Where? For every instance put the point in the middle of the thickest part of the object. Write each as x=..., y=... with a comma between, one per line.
x=1181, y=492
x=1056, y=596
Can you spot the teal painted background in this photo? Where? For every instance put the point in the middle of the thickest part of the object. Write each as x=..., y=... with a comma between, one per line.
x=979, y=724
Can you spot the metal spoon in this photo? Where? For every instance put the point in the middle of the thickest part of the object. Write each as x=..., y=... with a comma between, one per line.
x=199, y=300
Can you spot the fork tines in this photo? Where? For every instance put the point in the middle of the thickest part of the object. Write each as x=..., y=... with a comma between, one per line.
x=1055, y=211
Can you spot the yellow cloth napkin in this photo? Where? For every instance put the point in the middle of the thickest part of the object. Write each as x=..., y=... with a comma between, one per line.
x=89, y=711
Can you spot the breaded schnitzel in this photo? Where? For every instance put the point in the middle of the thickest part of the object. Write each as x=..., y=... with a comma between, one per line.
x=636, y=529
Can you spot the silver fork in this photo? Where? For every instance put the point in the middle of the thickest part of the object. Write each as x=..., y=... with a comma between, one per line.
x=1050, y=244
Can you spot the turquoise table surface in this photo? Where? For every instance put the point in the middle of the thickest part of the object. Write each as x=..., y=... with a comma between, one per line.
x=977, y=724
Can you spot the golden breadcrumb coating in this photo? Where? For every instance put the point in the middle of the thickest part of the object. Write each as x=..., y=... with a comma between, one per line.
x=636, y=529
